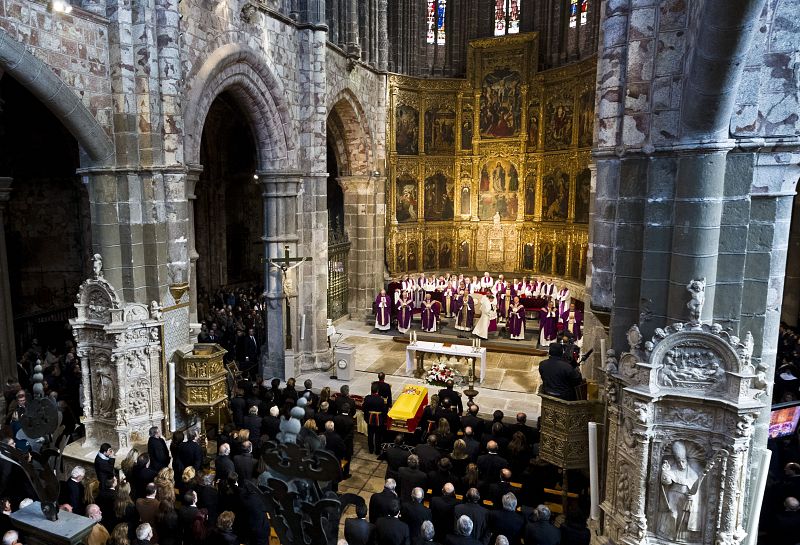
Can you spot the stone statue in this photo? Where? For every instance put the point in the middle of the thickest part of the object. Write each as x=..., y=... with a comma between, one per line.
x=697, y=289
x=611, y=362
x=155, y=310
x=97, y=265
x=681, y=511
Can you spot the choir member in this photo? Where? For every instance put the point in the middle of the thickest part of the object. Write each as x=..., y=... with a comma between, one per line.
x=419, y=294
x=464, y=307
x=548, y=324
x=518, y=287
x=486, y=282
x=430, y=314
x=405, y=308
x=563, y=300
x=448, y=296
x=573, y=322
x=383, y=311
x=475, y=285
x=487, y=323
x=547, y=290
x=504, y=303
x=499, y=286
x=516, y=320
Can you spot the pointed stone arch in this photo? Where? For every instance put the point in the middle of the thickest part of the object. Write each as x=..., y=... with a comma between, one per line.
x=55, y=94
x=353, y=142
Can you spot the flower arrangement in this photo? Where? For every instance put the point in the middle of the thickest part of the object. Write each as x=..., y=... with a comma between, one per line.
x=440, y=373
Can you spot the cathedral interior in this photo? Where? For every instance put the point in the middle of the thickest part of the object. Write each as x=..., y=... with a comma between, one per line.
x=219, y=171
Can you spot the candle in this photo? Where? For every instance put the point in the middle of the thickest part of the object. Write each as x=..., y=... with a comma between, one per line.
x=594, y=490
x=303, y=328
x=172, y=409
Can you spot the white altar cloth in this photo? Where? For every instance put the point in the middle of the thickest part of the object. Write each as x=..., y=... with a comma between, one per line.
x=439, y=348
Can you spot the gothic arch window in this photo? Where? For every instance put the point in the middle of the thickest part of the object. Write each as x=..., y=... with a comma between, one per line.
x=506, y=17
x=435, y=21
x=578, y=9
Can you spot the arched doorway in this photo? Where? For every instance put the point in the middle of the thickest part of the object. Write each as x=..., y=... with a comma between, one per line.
x=228, y=217
x=44, y=224
x=338, y=240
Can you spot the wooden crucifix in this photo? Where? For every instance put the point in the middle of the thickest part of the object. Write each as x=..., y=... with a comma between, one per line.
x=284, y=264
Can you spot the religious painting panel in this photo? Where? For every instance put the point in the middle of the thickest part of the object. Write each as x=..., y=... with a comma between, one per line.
x=558, y=122
x=445, y=255
x=545, y=261
x=582, y=195
x=575, y=259
x=561, y=259
x=499, y=187
x=527, y=256
x=500, y=104
x=530, y=192
x=466, y=199
x=401, y=257
x=585, y=119
x=533, y=125
x=467, y=129
x=440, y=132
x=406, y=131
x=555, y=196
x=429, y=255
x=406, y=201
x=438, y=197
x=463, y=255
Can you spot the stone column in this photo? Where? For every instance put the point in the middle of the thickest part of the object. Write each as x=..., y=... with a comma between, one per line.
x=279, y=193
x=790, y=310
x=8, y=356
x=353, y=39
x=191, y=184
x=383, y=36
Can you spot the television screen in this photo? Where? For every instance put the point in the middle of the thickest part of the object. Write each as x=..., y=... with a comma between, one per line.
x=783, y=421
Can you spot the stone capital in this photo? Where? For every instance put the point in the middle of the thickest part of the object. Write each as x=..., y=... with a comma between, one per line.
x=358, y=184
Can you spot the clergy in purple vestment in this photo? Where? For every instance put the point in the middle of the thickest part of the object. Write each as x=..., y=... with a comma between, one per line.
x=516, y=320
x=405, y=308
x=548, y=324
x=504, y=300
x=430, y=314
x=573, y=321
x=383, y=311
x=465, y=311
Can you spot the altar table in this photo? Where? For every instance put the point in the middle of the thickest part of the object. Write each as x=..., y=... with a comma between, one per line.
x=420, y=348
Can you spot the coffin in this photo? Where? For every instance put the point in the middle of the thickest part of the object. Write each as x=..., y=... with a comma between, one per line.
x=405, y=414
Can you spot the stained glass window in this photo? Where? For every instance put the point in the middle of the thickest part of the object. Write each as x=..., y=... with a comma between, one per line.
x=573, y=13
x=435, y=21
x=506, y=17
x=584, y=11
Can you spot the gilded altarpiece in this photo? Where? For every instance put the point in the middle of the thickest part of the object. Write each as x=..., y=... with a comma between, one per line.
x=491, y=172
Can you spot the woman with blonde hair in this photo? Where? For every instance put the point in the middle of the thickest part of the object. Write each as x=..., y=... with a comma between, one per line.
x=124, y=508
x=459, y=457
x=165, y=484
x=90, y=491
x=444, y=438
x=325, y=397
x=311, y=425
x=120, y=535
x=428, y=419
x=129, y=462
x=187, y=480
x=223, y=533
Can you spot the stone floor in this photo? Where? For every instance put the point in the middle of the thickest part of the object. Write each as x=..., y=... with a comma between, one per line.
x=509, y=385
x=367, y=476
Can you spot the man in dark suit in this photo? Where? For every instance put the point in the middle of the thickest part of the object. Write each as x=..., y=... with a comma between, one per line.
x=396, y=455
x=473, y=445
x=380, y=503
x=390, y=530
x=104, y=464
x=105, y=501
x=442, y=510
x=208, y=497
x=186, y=515
x=157, y=449
x=384, y=388
x=410, y=477
x=190, y=452
x=147, y=507
x=72, y=492
x=345, y=427
x=342, y=399
x=441, y=475
x=559, y=377
x=477, y=513
x=531, y=434
x=428, y=454
x=238, y=407
x=497, y=489
x=333, y=442
x=445, y=410
x=223, y=463
x=490, y=464
x=141, y=475
x=359, y=531
x=472, y=420
x=463, y=534
x=375, y=409
x=540, y=530
x=308, y=393
x=414, y=513
x=271, y=424
x=252, y=422
x=506, y=521
x=245, y=464
x=251, y=353
x=455, y=398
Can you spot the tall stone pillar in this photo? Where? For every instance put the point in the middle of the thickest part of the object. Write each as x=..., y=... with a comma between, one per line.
x=279, y=192
x=363, y=220
x=383, y=36
x=790, y=310
x=353, y=39
x=191, y=185
x=8, y=356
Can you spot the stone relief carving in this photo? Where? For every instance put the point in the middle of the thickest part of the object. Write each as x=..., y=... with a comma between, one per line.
x=104, y=392
x=611, y=363
x=98, y=305
x=692, y=366
x=697, y=290
x=135, y=313
x=155, y=310
x=624, y=487
x=695, y=418
x=97, y=266
x=140, y=397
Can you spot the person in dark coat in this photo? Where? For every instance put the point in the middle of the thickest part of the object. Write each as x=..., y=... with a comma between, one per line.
x=531, y=434
x=238, y=407
x=186, y=515
x=559, y=377
x=477, y=513
x=575, y=531
x=271, y=424
x=414, y=513
x=223, y=463
x=245, y=464
x=345, y=426
x=396, y=455
x=490, y=464
x=375, y=409
x=253, y=423
x=141, y=475
x=539, y=529
x=472, y=420
x=497, y=489
x=464, y=533
x=72, y=491
x=104, y=464
x=380, y=503
x=157, y=449
x=428, y=454
x=342, y=399
x=223, y=532
x=441, y=475
x=190, y=452
x=308, y=393
x=506, y=521
x=426, y=534
x=410, y=477
x=442, y=510
x=359, y=531
x=384, y=388
x=333, y=442
x=208, y=497
x=473, y=445
x=389, y=529
x=254, y=511
x=455, y=397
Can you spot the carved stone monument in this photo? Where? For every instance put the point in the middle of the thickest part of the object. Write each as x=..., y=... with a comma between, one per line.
x=120, y=349
x=680, y=412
